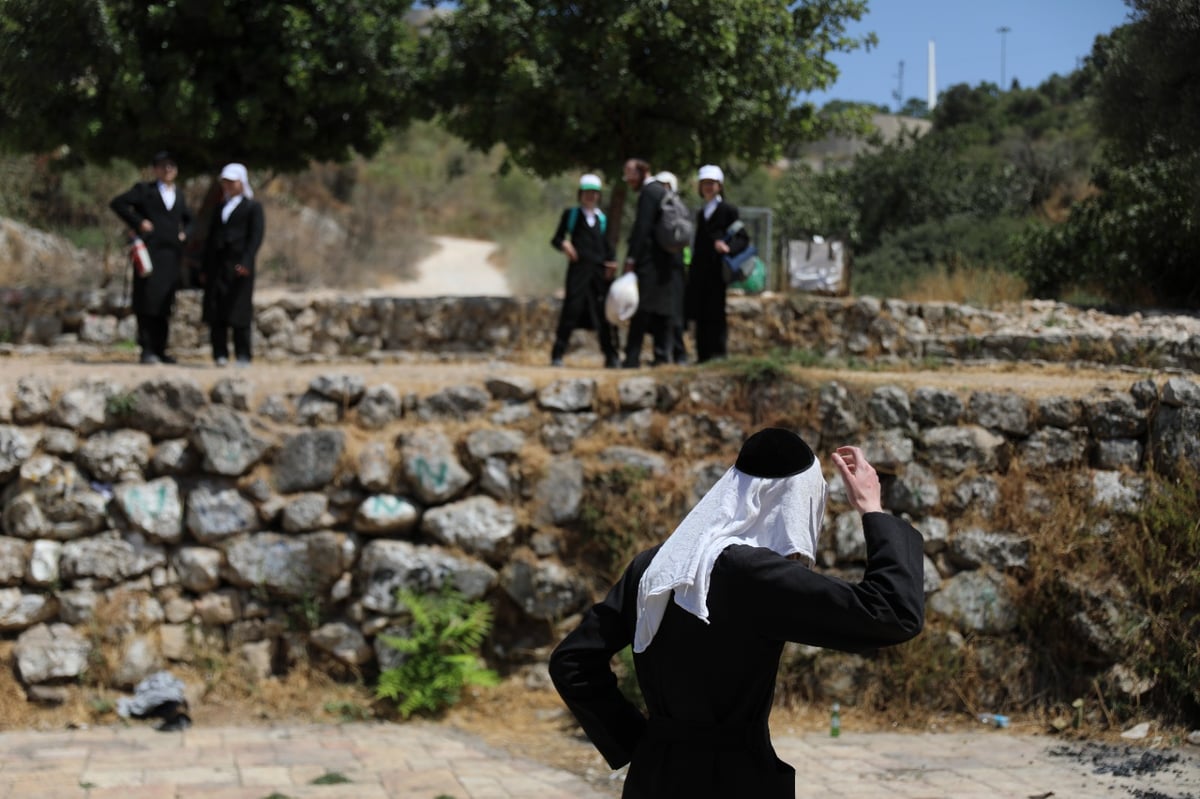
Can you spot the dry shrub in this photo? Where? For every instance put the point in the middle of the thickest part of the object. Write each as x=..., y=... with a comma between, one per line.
x=985, y=287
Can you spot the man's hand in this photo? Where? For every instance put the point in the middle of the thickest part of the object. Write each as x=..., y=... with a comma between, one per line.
x=862, y=483
x=241, y=271
x=629, y=265
x=147, y=226
x=610, y=270
x=569, y=249
x=721, y=247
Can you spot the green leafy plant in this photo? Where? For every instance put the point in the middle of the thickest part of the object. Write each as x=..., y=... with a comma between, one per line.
x=120, y=405
x=331, y=778
x=441, y=653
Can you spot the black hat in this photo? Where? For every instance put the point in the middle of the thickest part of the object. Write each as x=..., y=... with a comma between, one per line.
x=162, y=156
x=774, y=452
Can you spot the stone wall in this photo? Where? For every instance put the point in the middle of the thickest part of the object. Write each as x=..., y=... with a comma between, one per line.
x=156, y=521
x=330, y=327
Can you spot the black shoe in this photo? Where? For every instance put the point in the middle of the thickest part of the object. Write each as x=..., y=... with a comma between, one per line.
x=612, y=363
x=163, y=358
x=149, y=357
x=556, y=362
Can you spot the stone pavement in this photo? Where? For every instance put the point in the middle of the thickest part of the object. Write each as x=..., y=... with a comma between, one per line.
x=426, y=761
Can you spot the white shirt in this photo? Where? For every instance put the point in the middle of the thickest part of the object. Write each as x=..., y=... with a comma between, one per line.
x=168, y=194
x=711, y=206
x=589, y=216
x=228, y=207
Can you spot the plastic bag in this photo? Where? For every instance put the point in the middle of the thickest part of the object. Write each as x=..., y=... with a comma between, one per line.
x=622, y=300
x=140, y=257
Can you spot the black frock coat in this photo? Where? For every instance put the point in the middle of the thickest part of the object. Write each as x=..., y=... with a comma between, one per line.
x=154, y=295
x=586, y=285
x=704, y=297
x=709, y=687
x=658, y=282
x=228, y=298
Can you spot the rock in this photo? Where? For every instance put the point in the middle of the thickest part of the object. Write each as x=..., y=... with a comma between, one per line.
x=19, y=610
x=114, y=456
x=457, y=402
x=198, y=568
x=315, y=410
x=544, y=590
x=1053, y=448
x=487, y=443
x=289, y=566
x=387, y=565
x=888, y=406
x=166, y=407
x=915, y=490
x=1114, y=416
x=308, y=511
x=636, y=393
x=888, y=450
x=977, y=601
x=952, y=450
x=429, y=465
x=153, y=508
x=84, y=408
x=110, y=558
x=1137, y=732
x=1063, y=412
x=1179, y=392
x=499, y=479
x=31, y=404
x=234, y=392
x=308, y=461
x=51, y=652
x=1005, y=413
x=227, y=441
x=343, y=642
x=561, y=433
x=17, y=445
x=215, y=513
x=14, y=554
x=519, y=389
x=345, y=389
x=1003, y=551
x=375, y=467
x=639, y=460
x=478, y=525
x=568, y=396
x=557, y=496
x=386, y=514
x=935, y=407
x=379, y=407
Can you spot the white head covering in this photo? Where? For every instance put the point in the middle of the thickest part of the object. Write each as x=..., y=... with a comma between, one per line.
x=783, y=514
x=711, y=172
x=238, y=172
x=669, y=179
x=589, y=182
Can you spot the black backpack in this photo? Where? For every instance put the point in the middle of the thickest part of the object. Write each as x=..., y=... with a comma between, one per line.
x=674, y=228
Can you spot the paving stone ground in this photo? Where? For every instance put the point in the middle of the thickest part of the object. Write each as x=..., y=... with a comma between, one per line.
x=427, y=761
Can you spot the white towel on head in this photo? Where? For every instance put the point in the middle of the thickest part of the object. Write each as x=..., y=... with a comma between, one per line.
x=238, y=172
x=783, y=514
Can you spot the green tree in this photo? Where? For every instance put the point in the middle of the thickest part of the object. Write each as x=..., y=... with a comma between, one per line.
x=273, y=84
x=586, y=85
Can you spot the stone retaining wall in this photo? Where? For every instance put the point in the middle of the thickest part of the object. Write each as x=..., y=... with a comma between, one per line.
x=350, y=326
x=155, y=522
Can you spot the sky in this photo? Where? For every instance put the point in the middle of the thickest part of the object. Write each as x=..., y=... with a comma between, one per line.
x=1044, y=37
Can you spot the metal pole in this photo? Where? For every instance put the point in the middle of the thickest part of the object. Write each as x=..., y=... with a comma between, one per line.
x=1003, y=31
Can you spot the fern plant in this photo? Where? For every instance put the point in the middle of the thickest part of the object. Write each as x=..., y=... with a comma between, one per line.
x=441, y=652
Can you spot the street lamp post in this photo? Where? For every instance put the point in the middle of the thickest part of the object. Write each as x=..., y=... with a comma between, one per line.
x=1003, y=31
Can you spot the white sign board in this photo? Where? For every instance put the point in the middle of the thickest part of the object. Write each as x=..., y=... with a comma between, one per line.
x=817, y=265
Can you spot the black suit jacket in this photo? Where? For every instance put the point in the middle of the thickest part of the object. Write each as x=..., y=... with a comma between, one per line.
x=709, y=687
x=657, y=288
x=704, y=297
x=154, y=294
x=228, y=297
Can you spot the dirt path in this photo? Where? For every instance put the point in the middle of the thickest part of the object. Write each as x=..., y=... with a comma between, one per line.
x=456, y=268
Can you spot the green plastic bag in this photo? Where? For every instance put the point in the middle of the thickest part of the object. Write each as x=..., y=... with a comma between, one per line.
x=756, y=281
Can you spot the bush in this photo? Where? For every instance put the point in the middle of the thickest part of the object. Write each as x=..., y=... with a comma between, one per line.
x=441, y=654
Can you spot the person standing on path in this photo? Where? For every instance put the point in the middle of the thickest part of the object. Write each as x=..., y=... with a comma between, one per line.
x=235, y=234
x=591, y=267
x=718, y=233
x=654, y=267
x=709, y=611
x=157, y=212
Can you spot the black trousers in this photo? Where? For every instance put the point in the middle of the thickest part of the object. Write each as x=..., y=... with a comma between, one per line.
x=712, y=337
x=606, y=334
x=219, y=337
x=152, y=334
x=659, y=328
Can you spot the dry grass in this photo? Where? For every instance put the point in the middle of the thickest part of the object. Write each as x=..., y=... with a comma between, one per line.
x=984, y=287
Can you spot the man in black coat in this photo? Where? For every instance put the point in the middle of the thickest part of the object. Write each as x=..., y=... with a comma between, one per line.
x=658, y=283
x=234, y=236
x=717, y=235
x=708, y=613
x=157, y=212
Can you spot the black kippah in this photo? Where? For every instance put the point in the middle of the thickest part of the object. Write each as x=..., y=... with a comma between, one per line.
x=774, y=452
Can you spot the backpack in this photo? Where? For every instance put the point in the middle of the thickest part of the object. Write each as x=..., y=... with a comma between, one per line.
x=674, y=228
x=571, y=217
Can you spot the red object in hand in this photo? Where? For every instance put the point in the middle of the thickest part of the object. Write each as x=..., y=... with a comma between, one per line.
x=140, y=256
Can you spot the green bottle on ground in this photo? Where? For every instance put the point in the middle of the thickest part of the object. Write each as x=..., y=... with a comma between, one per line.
x=835, y=723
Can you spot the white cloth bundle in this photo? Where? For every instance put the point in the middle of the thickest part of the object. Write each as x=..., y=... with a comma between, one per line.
x=782, y=514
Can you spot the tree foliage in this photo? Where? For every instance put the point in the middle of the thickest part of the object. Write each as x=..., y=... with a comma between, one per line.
x=272, y=84
x=588, y=84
